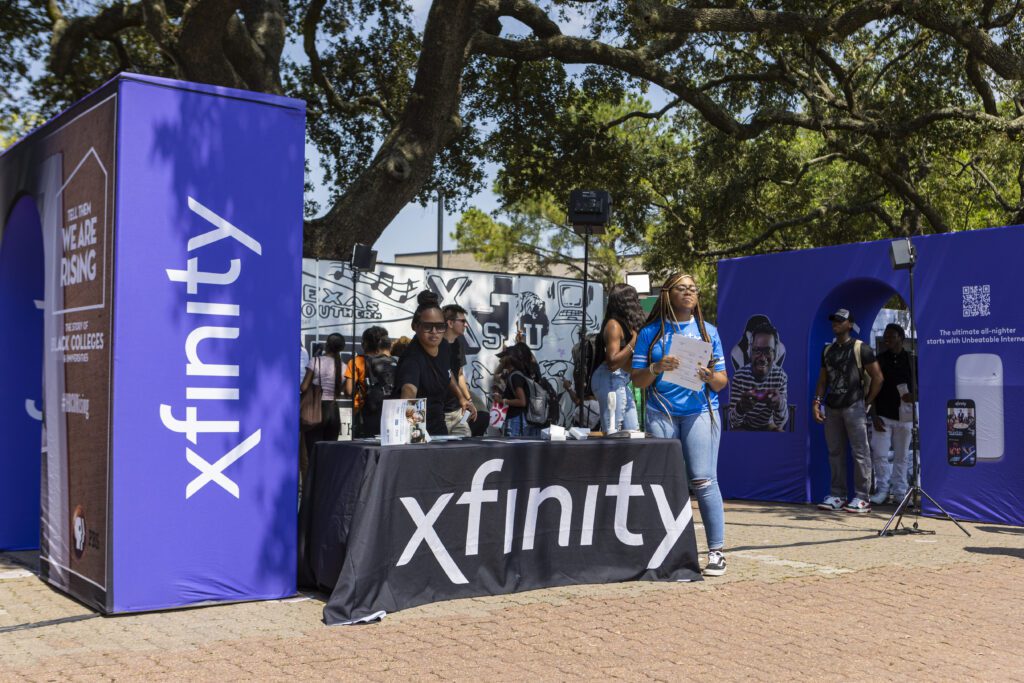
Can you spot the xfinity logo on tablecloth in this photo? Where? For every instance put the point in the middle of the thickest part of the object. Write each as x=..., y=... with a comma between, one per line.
x=425, y=534
x=191, y=425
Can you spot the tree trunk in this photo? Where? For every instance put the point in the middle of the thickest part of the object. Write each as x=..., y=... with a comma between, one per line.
x=405, y=161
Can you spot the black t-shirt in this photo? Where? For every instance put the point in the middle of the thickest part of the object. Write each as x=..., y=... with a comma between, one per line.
x=844, y=388
x=430, y=376
x=515, y=381
x=458, y=347
x=895, y=371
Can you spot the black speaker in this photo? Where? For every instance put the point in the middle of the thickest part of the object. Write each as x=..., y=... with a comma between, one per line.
x=590, y=207
x=363, y=257
x=902, y=254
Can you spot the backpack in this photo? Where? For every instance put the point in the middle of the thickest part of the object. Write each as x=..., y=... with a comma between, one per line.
x=865, y=378
x=584, y=355
x=539, y=403
x=379, y=383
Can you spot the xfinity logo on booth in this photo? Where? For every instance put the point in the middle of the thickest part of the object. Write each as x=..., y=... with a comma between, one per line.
x=478, y=496
x=219, y=313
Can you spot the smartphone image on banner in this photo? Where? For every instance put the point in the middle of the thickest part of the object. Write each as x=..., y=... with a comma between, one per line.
x=961, y=433
x=979, y=378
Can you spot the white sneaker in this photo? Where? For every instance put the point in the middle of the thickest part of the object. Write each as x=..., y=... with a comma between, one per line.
x=858, y=505
x=880, y=497
x=831, y=503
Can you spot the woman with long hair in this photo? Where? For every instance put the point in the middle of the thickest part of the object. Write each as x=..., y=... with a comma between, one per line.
x=675, y=412
x=424, y=370
x=623, y=318
x=325, y=371
x=519, y=366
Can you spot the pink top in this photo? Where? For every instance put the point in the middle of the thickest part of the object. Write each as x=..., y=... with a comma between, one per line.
x=323, y=375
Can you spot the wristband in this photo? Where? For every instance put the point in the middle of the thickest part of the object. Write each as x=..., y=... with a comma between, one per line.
x=650, y=369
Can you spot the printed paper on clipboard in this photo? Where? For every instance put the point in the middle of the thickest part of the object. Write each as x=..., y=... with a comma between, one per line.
x=692, y=354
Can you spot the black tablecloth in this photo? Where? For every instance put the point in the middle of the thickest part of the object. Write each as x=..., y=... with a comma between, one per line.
x=385, y=528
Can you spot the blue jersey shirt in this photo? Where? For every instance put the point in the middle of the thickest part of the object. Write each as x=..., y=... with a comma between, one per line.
x=664, y=395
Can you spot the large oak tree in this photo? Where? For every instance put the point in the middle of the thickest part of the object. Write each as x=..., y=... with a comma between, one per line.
x=902, y=99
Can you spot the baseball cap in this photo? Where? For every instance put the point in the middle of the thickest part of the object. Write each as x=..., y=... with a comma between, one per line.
x=841, y=315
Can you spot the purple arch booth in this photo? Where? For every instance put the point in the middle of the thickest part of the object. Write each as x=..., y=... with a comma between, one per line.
x=970, y=328
x=150, y=264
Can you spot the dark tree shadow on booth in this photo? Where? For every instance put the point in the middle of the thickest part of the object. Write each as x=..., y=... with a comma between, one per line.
x=196, y=145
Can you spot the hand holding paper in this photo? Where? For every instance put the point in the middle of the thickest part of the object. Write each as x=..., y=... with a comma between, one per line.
x=693, y=356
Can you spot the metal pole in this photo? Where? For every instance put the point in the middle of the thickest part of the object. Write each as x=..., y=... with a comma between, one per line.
x=584, y=381
x=440, y=228
x=316, y=283
x=352, y=356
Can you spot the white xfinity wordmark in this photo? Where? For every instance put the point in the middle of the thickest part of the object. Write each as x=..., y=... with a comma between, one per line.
x=191, y=425
x=674, y=524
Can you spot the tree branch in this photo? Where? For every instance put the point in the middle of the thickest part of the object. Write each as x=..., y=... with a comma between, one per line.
x=977, y=41
x=977, y=79
x=659, y=17
x=334, y=100
x=531, y=15
x=979, y=173
x=640, y=115
x=817, y=214
x=69, y=36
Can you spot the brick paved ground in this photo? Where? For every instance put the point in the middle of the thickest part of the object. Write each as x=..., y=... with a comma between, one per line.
x=808, y=596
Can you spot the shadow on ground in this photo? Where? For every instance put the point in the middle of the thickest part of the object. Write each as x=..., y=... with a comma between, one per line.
x=1008, y=552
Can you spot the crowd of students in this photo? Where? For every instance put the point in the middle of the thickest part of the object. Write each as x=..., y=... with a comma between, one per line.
x=629, y=350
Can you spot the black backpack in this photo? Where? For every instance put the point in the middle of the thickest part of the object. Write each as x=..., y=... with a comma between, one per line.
x=584, y=355
x=379, y=383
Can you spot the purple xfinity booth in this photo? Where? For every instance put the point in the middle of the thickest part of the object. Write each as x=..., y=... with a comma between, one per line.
x=150, y=261
x=970, y=343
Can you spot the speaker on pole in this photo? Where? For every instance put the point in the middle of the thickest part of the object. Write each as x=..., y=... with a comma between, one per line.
x=363, y=257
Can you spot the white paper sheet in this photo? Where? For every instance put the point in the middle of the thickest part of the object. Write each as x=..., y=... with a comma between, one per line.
x=692, y=354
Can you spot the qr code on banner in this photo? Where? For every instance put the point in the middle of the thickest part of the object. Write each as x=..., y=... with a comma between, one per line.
x=977, y=299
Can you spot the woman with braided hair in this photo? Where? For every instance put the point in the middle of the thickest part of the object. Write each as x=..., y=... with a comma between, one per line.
x=675, y=412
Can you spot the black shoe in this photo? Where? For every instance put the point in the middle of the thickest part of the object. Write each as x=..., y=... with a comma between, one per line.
x=716, y=563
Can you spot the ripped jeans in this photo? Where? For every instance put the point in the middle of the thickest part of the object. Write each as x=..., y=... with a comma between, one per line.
x=700, y=439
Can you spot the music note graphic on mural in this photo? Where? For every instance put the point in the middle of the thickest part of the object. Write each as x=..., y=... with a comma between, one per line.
x=386, y=285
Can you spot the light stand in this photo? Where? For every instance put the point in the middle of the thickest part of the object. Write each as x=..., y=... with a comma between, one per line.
x=583, y=381
x=589, y=213
x=904, y=257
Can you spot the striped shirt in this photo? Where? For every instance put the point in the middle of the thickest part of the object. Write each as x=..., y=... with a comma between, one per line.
x=763, y=414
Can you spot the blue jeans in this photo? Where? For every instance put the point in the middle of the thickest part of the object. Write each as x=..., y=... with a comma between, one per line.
x=518, y=426
x=700, y=452
x=605, y=382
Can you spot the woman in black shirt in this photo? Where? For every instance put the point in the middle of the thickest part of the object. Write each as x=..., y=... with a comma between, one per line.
x=424, y=370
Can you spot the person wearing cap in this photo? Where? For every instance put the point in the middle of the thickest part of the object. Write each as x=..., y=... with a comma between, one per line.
x=842, y=403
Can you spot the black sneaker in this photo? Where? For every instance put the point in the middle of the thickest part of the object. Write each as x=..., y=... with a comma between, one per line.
x=716, y=563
